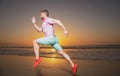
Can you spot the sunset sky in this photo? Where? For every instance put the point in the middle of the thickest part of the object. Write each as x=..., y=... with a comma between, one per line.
x=89, y=22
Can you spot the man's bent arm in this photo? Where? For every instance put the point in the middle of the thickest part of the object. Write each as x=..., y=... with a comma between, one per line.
x=59, y=23
x=37, y=28
x=35, y=25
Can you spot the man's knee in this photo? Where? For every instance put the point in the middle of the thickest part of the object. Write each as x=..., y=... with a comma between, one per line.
x=61, y=52
x=35, y=41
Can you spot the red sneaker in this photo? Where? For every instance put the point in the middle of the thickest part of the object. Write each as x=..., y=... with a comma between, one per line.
x=36, y=62
x=74, y=69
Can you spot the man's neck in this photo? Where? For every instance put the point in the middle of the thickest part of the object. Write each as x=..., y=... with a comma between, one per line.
x=44, y=18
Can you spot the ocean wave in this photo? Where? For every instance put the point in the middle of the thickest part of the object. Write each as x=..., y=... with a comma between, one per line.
x=85, y=54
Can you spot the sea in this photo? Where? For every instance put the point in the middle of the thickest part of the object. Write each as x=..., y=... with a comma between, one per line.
x=99, y=52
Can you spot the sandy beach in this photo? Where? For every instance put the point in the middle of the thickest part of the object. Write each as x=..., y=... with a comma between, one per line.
x=13, y=65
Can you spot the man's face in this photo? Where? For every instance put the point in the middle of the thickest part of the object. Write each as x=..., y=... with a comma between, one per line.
x=42, y=15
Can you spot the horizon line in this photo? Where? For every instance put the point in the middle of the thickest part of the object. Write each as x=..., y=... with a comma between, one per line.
x=68, y=47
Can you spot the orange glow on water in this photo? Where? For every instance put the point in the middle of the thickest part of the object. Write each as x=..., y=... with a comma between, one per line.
x=53, y=50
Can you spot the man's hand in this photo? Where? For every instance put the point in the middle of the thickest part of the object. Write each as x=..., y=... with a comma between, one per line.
x=35, y=25
x=66, y=33
x=33, y=20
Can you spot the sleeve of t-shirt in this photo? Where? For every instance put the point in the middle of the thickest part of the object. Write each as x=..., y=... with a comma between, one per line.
x=50, y=20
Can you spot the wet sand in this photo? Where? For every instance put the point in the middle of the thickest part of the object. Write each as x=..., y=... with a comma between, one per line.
x=13, y=65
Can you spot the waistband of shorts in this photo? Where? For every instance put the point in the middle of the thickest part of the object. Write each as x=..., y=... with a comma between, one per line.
x=51, y=36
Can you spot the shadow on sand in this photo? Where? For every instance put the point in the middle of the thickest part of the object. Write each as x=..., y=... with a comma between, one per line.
x=69, y=71
x=40, y=73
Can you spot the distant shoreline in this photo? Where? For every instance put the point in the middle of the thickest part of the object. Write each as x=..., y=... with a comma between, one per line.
x=106, y=52
x=70, y=47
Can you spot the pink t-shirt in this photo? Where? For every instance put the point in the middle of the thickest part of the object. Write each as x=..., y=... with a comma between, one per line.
x=47, y=27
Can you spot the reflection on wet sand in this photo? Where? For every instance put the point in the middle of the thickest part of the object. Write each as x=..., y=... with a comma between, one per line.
x=12, y=65
x=39, y=72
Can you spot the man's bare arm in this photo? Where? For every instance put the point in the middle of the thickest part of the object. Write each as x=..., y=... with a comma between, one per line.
x=61, y=25
x=37, y=28
x=35, y=25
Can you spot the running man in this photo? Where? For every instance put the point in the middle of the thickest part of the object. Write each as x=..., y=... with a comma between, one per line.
x=50, y=38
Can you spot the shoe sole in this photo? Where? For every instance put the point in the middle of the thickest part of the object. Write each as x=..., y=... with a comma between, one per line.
x=37, y=64
x=76, y=70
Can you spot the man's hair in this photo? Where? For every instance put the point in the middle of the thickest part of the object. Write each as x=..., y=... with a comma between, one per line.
x=45, y=11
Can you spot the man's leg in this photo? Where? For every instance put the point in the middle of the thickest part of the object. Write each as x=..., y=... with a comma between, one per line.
x=36, y=49
x=37, y=42
x=61, y=52
x=74, y=66
x=66, y=56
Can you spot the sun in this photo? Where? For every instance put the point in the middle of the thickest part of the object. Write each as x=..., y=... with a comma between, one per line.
x=53, y=50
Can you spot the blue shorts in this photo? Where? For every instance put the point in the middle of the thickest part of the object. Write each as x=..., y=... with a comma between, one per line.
x=50, y=40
